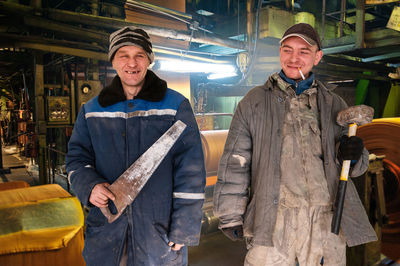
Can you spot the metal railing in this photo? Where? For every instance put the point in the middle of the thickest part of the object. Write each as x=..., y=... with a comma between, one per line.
x=52, y=166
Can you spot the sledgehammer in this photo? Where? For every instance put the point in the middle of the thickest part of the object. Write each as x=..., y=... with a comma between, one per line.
x=353, y=116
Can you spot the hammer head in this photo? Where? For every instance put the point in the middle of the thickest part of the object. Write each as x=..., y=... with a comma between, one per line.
x=359, y=114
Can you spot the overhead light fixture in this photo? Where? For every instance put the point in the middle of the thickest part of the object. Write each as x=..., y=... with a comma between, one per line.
x=222, y=75
x=204, y=12
x=340, y=81
x=185, y=66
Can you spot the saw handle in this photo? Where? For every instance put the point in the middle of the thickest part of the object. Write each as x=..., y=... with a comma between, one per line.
x=108, y=214
x=341, y=192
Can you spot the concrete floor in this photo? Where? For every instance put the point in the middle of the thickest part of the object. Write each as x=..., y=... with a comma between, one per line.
x=23, y=169
x=19, y=167
x=217, y=249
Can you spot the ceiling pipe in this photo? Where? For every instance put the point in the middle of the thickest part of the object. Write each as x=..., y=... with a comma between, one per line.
x=55, y=46
x=249, y=25
x=180, y=16
x=168, y=11
x=113, y=24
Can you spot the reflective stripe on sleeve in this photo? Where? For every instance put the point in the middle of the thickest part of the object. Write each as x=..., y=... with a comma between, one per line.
x=69, y=176
x=106, y=114
x=182, y=195
x=132, y=114
x=152, y=112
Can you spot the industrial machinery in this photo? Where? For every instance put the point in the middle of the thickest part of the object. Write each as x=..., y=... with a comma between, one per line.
x=87, y=89
x=213, y=146
x=382, y=138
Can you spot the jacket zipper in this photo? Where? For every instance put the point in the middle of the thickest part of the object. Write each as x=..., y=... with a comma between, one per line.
x=128, y=210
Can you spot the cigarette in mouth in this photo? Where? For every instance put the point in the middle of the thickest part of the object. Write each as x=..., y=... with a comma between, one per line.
x=301, y=73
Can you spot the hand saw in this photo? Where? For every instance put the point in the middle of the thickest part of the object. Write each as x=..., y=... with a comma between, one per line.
x=131, y=182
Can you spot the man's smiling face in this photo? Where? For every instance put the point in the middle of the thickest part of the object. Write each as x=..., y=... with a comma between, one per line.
x=295, y=54
x=131, y=63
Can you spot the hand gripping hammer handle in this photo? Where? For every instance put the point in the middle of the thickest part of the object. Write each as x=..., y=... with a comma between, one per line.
x=351, y=116
x=341, y=192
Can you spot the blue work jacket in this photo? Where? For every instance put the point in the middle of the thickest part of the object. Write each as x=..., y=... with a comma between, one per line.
x=110, y=134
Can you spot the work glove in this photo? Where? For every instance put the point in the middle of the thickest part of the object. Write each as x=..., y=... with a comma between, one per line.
x=350, y=148
x=233, y=233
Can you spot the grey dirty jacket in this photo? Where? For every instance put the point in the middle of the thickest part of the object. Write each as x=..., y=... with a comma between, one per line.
x=247, y=190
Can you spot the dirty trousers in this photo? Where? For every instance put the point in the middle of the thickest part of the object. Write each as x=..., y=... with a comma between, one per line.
x=301, y=233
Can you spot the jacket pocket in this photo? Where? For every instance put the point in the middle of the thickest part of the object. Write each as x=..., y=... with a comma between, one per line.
x=174, y=258
x=162, y=231
x=168, y=256
x=95, y=218
x=315, y=139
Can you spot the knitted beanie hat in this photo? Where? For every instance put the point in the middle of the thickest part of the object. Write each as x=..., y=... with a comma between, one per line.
x=130, y=35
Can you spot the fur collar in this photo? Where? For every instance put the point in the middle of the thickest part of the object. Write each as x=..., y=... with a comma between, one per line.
x=153, y=90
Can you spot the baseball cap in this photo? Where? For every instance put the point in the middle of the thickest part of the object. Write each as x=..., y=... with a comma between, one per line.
x=304, y=31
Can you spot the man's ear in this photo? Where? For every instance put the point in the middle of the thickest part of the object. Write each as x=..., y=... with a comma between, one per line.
x=318, y=57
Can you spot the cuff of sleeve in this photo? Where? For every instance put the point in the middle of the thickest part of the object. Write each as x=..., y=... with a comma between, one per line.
x=82, y=183
x=189, y=241
x=222, y=226
x=361, y=166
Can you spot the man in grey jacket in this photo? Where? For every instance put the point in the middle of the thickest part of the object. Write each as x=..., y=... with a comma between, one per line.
x=278, y=175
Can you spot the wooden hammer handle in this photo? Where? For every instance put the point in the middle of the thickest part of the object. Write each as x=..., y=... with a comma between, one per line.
x=341, y=192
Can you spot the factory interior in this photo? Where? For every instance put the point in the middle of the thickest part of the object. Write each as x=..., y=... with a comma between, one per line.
x=53, y=59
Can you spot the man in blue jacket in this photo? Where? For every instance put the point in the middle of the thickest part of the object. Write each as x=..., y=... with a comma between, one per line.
x=110, y=133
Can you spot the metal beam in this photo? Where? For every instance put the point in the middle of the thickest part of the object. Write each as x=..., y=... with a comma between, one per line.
x=87, y=19
x=342, y=70
x=8, y=41
x=381, y=57
x=360, y=23
x=359, y=63
x=65, y=29
x=346, y=40
x=64, y=47
x=374, y=39
x=147, y=6
x=349, y=75
x=339, y=49
x=385, y=41
x=383, y=37
x=40, y=118
x=63, y=50
x=342, y=16
x=382, y=33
